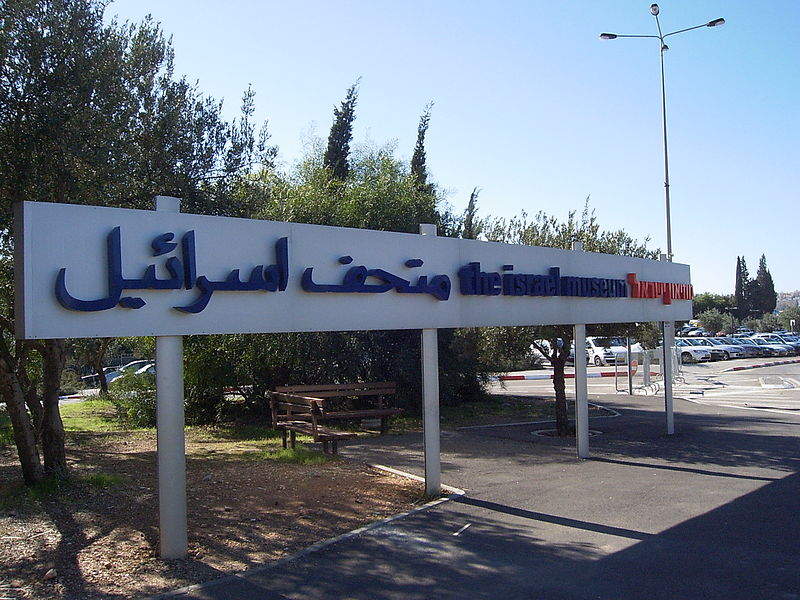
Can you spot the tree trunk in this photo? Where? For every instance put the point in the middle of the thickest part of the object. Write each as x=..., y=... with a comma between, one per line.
x=13, y=391
x=28, y=389
x=558, y=358
x=53, y=437
x=97, y=363
x=559, y=385
x=24, y=433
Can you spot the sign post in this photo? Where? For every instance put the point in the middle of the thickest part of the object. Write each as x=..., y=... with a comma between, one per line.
x=581, y=394
x=581, y=387
x=170, y=433
x=430, y=400
x=668, y=343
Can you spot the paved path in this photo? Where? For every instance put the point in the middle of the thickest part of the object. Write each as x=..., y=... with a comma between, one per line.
x=711, y=512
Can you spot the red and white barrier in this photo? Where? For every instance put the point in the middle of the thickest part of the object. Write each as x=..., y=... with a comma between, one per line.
x=539, y=376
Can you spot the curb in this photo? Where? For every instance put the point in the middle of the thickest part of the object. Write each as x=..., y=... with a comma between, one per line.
x=453, y=493
x=759, y=366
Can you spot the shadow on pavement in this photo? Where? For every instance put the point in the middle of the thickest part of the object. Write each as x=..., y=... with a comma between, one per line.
x=708, y=513
x=746, y=549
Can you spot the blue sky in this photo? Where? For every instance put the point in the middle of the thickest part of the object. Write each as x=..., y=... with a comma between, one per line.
x=533, y=109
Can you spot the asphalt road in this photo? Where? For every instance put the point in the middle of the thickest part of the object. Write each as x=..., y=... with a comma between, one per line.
x=710, y=512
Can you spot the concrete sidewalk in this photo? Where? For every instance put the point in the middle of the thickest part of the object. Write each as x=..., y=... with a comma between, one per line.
x=711, y=512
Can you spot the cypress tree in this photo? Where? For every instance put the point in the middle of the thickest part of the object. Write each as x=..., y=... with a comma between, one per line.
x=418, y=167
x=338, y=151
x=765, y=298
x=739, y=288
x=471, y=226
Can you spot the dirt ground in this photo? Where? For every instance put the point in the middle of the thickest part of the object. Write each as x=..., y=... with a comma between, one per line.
x=100, y=539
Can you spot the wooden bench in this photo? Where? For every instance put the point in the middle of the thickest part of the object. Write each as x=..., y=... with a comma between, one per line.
x=293, y=414
x=349, y=400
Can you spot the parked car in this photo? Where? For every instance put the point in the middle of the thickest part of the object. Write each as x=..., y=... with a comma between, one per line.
x=772, y=349
x=730, y=350
x=93, y=380
x=790, y=338
x=610, y=350
x=148, y=369
x=716, y=353
x=690, y=353
x=775, y=338
x=130, y=367
x=546, y=345
x=751, y=349
x=699, y=332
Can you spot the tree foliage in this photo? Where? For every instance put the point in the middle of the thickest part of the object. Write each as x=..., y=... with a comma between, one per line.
x=764, y=297
x=380, y=192
x=787, y=315
x=754, y=297
x=548, y=230
x=92, y=113
x=724, y=303
x=740, y=288
x=337, y=155
x=419, y=168
x=713, y=320
x=471, y=224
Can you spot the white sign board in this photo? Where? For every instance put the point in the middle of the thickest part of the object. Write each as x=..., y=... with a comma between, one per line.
x=87, y=271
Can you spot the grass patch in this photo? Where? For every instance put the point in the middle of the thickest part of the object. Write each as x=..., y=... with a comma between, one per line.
x=422, y=497
x=102, y=480
x=95, y=414
x=293, y=456
x=231, y=441
x=14, y=496
x=240, y=432
x=52, y=489
x=20, y=496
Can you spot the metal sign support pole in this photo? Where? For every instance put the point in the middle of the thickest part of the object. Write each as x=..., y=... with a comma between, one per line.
x=170, y=433
x=430, y=400
x=581, y=394
x=630, y=364
x=668, y=344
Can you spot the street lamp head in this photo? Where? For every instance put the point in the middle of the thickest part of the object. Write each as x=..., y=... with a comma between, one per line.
x=654, y=9
x=608, y=36
x=715, y=23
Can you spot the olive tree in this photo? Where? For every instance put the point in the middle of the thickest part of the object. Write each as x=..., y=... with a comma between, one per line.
x=554, y=341
x=92, y=113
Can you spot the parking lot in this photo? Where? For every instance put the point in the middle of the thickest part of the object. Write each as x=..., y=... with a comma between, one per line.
x=740, y=383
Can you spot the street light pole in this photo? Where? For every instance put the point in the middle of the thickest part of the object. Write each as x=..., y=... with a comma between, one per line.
x=667, y=213
x=654, y=10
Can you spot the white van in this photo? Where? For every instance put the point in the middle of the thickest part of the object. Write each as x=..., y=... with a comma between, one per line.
x=609, y=350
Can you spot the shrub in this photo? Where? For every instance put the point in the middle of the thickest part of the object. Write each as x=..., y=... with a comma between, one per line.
x=6, y=433
x=204, y=405
x=134, y=398
x=70, y=382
